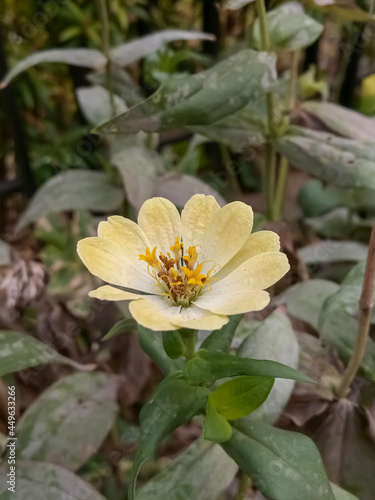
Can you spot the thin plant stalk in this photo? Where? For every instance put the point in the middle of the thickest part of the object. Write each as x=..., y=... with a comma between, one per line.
x=244, y=485
x=284, y=163
x=365, y=308
x=106, y=46
x=270, y=158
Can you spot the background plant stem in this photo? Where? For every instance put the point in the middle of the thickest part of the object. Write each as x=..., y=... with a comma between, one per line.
x=270, y=157
x=365, y=308
x=243, y=487
x=284, y=164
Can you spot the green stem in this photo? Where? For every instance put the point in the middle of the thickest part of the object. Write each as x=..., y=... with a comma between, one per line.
x=270, y=157
x=365, y=308
x=243, y=487
x=189, y=338
x=106, y=45
x=228, y=165
x=284, y=163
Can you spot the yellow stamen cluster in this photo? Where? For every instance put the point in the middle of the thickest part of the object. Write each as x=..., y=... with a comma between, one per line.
x=180, y=277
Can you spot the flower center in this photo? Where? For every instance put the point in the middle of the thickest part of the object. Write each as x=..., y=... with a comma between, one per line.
x=178, y=278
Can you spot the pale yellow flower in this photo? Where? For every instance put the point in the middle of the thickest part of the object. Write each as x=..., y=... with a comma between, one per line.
x=188, y=271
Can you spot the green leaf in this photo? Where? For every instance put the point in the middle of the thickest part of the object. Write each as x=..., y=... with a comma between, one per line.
x=201, y=99
x=338, y=321
x=95, y=104
x=207, y=367
x=19, y=351
x=341, y=494
x=69, y=421
x=305, y=300
x=153, y=346
x=342, y=121
x=239, y=131
x=316, y=198
x=221, y=340
x=216, y=428
x=87, y=58
x=173, y=403
x=202, y=472
x=126, y=54
x=73, y=190
x=343, y=162
x=122, y=326
x=173, y=344
x=272, y=339
x=240, y=396
x=340, y=223
x=289, y=27
x=283, y=465
x=36, y=480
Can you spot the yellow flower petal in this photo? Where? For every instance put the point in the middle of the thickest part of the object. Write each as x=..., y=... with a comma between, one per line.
x=229, y=229
x=237, y=302
x=161, y=222
x=107, y=292
x=125, y=233
x=154, y=313
x=257, y=273
x=107, y=260
x=198, y=319
x=262, y=241
x=196, y=218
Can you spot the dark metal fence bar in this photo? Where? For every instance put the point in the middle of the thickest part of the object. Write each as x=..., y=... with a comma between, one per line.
x=25, y=182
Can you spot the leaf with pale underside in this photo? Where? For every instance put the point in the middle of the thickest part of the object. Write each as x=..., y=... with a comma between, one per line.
x=202, y=472
x=95, y=104
x=87, y=58
x=330, y=251
x=273, y=339
x=236, y=4
x=338, y=321
x=289, y=28
x=138, y=167
x=69, y=421
x=37, y=480
x=305, y=300
x=343, y=162
x=73, y=190
x=342, y=121
x=179, y=188
x=19, y=351
x=126, y=54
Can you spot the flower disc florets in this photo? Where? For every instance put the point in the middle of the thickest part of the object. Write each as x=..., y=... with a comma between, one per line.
x=178, y=278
